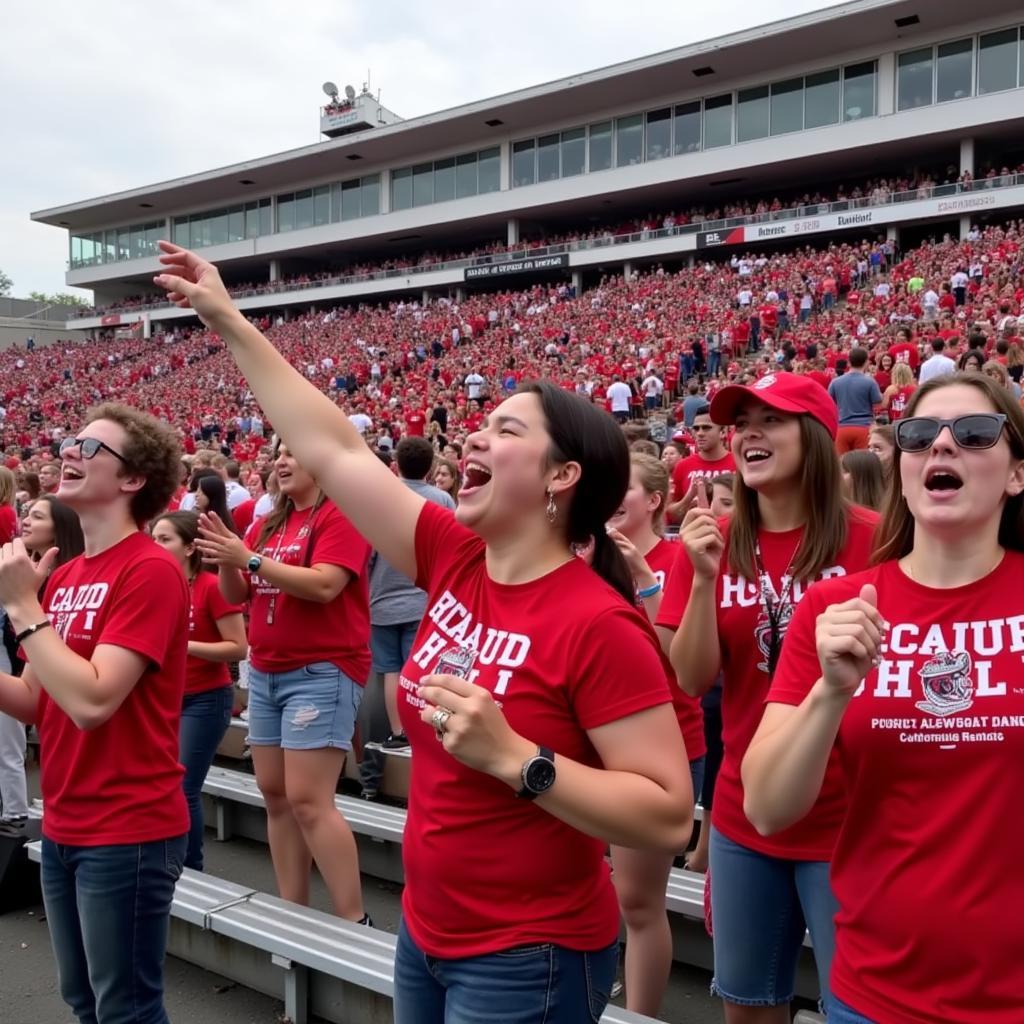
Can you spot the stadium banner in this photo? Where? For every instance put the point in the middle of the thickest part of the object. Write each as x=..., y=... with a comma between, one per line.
x=526, y=266
x=111, y=320
x=727, y=236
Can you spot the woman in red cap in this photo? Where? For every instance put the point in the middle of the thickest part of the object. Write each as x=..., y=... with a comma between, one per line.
x=911, y=671
x=729, y=601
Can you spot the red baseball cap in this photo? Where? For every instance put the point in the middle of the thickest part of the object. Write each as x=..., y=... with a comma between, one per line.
x=787, y=392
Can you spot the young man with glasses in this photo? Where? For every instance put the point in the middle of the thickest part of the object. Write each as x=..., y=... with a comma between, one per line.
x=104, y=684
x=711, y=458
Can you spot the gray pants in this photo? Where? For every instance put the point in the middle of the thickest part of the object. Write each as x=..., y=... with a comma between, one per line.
x=13, y=787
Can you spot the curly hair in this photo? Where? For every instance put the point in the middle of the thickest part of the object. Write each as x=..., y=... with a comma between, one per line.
x=151, y=451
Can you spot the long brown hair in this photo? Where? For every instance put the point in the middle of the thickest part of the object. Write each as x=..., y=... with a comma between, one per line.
x=654, y=479
x=826, y=509
x=895, y=537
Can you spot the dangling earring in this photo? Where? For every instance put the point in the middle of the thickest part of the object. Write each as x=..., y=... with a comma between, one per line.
x=552, y=509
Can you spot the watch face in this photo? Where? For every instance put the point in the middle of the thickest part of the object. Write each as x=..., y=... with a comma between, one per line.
x=540, y=775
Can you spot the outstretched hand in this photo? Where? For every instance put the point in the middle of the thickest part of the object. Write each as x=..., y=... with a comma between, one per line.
x=192, y=282
x=20, y=577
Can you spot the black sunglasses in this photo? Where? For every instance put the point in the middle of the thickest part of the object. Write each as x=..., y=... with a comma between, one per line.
x=89, y=446
x=975, y=432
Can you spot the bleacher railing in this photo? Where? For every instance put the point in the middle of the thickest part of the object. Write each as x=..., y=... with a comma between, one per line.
x=608, y=240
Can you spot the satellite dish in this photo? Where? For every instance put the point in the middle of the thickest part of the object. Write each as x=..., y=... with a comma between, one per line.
x=331, y=89
x=350, y=92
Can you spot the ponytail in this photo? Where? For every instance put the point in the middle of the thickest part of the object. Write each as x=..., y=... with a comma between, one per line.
x=610, y=564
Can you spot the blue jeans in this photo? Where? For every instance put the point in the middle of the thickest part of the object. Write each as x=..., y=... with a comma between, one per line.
x=205, y=718
x=840, y=1013
x=760, y=908
x=538, y=984
x=714, y=362
x=108, y=909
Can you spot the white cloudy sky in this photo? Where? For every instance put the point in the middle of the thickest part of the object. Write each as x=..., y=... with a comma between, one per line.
x=111, y=94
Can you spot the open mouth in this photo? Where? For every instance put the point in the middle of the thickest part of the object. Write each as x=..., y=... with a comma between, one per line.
x=69, y=473
x=475, y=477
x=942, y=481
x=754, y=455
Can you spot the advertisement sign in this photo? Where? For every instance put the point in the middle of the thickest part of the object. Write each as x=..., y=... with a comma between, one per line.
x=526, y=266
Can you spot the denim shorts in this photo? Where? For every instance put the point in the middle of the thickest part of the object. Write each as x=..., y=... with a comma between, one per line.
x=761, y=907
x=305, y=708
x=391, y=645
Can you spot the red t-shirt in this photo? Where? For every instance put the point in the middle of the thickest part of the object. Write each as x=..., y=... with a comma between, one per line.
x=243, y=514
x=898, y=401
x=696, y=467
x=208, y=605
x=927, y=867
x=743, y=638
x=484, y=870
x=415, y=423
x=905, y=354
x=689, y=713
x=121, y=782
x=8, y=524
x=302, y=632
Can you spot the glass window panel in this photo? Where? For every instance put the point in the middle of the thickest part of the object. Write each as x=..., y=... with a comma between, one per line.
x=74, y=250
x=687, y=128
x=547, y=157
x=219, y=230
x=524, y=170
x=489, y=170
x=205, y=228
x=444, y=180
x=181, y=232
x=601, y=146
x=322, y=204
x=859, y=91
x=123, y=244
x=335, y=202
x=465, y=176
x=821, y=99
x=266, y=217
x=574, y=152
x=252, y=220
x=84, y=244
x=659, y=134
x=787, y=106
x=304, y=208
x=285, y=213
x=718, y=122
x=138, y=243
x=752, y=113
x=953, y=70
x=997, y=61
x=351, y=204
x=914, y=79
x=236, y=224
x=108, y=253
x=97, y=248
x=370, y=189
x=401, y=189
x=422, y=184
x=629, y=140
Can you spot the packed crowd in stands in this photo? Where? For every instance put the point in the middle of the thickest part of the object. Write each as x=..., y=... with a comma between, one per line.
x=875, y=192
x=774, y=405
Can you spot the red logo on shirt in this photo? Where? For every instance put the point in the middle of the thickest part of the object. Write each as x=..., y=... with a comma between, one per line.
x=947, y=684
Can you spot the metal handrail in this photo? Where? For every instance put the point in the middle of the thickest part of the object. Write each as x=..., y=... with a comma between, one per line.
x=609, y=240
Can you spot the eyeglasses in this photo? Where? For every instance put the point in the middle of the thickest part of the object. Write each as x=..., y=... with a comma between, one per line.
x=975, y=432
x=89, y=446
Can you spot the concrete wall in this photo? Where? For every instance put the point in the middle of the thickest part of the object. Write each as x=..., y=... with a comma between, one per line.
x=16, y=331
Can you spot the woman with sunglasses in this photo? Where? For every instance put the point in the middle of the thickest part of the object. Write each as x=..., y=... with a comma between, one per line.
x=729, y=601
x=104, y=684
x=535, y=702
x=909, y=675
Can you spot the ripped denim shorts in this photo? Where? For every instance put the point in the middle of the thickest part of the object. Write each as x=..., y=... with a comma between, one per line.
x=305, y=708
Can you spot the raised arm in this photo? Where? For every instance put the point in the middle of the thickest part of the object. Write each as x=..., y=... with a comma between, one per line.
x=317, y=432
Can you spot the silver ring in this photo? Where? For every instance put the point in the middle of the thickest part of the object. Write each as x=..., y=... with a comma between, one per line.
x=439, y=719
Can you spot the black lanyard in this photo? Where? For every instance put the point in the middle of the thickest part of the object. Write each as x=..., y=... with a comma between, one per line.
x=777, y=607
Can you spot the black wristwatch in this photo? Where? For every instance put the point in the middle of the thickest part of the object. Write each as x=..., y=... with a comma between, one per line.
x=254, y=563
x=538, y=774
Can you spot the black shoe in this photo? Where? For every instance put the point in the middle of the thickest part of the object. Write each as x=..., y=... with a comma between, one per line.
x=396, y=741
x=369, y=795
x=366, y=921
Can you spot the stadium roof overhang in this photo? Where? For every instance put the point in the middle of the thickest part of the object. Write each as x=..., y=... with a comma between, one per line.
x=861, y=24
